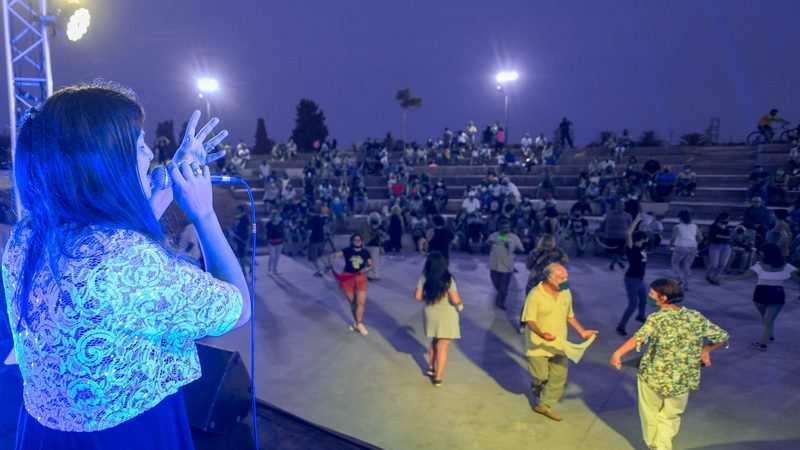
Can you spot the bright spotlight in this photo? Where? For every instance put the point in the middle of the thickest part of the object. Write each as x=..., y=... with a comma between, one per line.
x=207, y=85
x=506, y=76
x=78, y=24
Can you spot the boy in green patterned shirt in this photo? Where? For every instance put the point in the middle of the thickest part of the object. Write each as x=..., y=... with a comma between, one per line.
x=670, y=368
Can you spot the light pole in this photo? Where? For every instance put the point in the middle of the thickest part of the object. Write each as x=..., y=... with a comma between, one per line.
x=205, y=87
x=503, y=78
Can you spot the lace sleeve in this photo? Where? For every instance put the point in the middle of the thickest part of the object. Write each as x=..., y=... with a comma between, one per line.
x=153, y=294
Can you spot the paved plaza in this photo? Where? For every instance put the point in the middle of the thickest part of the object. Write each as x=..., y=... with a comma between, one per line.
x=374, y=388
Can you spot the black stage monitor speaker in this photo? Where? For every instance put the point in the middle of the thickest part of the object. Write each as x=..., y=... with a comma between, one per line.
x=221, y=397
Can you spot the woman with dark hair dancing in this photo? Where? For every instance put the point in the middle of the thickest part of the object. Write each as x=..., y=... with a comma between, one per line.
x=104, y=315
x=353, y=281
x=437, y=288
x=769, y=295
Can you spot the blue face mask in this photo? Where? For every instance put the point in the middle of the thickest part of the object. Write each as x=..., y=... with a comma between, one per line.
x=651, y=301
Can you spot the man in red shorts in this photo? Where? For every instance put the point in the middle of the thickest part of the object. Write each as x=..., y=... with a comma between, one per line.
x=353, y=280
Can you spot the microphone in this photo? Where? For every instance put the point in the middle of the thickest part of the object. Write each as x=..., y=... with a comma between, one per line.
x=225, y=179
x=159, y=179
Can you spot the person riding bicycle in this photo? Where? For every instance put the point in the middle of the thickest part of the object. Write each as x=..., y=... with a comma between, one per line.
x=765, y=123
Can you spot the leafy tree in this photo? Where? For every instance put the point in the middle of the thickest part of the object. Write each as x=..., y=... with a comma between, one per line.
x=309, y=125
x=263, y=142
x=602, y=138
x=694, y=139
x=407, y=102
x=650, y=139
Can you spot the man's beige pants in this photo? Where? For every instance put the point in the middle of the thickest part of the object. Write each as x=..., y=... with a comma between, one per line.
x=661, y=416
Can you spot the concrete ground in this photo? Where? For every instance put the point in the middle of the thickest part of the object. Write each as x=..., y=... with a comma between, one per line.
x=373, y=387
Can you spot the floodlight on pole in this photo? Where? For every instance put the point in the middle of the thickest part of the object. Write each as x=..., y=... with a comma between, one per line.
x=507, y=76
x=205, y=87
x=503, y=78
x=78, y=24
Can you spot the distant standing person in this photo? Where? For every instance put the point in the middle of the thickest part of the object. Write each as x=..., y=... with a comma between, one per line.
x=373, y=241
x=441, y=238
x=685, y=236
x=676, y=348
x=353, y=280
x=316, y=239
x=547, y=311
x=275, y=239
x=396, y=223
x=769, y=295
x=503, y=244
x=636, y=251
x=437, y=288
x=565, y=131
x=719, y=250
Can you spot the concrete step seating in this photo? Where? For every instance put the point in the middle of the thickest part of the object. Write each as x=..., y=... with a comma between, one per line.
x=722, y=178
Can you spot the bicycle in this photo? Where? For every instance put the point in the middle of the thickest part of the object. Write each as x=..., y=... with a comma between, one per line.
x=783, y=134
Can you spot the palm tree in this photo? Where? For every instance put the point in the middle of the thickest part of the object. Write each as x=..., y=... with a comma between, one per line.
x=407, y=102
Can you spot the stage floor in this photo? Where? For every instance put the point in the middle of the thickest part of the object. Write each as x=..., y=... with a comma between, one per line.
x=373, y=387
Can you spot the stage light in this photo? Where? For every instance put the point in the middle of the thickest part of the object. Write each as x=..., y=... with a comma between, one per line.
x=507, y=76
x=207, y=85
x=78, y=24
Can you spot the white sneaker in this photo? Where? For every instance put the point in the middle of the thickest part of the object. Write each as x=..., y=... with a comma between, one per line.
x=361, y=329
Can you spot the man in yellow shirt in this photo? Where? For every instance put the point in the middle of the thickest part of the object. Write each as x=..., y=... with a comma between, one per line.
x=547, y=311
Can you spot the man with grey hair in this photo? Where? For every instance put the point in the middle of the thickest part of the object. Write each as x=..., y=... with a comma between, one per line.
x=547, y=311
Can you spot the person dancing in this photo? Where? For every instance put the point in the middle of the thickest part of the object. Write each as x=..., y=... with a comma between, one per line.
x=353, y=281
x=104, y=315
x=678, y=341
x=437, y=288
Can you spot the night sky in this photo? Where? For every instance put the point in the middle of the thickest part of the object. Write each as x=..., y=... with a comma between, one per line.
x=667, y=65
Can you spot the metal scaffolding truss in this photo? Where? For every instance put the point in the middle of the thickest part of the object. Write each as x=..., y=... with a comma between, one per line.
x=27, y=52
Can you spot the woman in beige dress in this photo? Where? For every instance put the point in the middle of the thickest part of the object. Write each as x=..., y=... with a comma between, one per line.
x=437, y=288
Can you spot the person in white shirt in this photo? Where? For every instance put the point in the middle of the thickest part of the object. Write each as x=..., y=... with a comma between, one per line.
x=471, y=203
x=512, y=189
x=685, y=236
x=769, y=296
x=541, y=141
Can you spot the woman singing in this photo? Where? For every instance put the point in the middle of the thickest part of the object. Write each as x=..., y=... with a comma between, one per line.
x=104, y=315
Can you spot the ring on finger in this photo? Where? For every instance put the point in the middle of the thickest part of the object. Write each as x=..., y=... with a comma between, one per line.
x=196, y=170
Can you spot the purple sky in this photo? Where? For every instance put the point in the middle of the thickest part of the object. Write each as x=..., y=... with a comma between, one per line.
x=667, y=66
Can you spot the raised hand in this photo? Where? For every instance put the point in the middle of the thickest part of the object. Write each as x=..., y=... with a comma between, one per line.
x=191, y=185
x=193, y=147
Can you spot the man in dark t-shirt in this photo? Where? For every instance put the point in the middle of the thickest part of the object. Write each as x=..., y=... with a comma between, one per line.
x=353, y=280
x=636, y=251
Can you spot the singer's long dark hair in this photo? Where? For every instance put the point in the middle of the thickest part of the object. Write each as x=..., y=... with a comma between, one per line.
x=437, y=278
x=76, y=167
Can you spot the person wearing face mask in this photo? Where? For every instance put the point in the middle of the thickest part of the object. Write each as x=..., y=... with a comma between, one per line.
x=719, y=250
x=636, y=251
x=471, y=203
x=353, y=280
x=503, y=244
x=547, y=311
x=679, y=341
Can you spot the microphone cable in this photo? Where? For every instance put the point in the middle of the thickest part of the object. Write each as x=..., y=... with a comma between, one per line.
x=234, y=181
